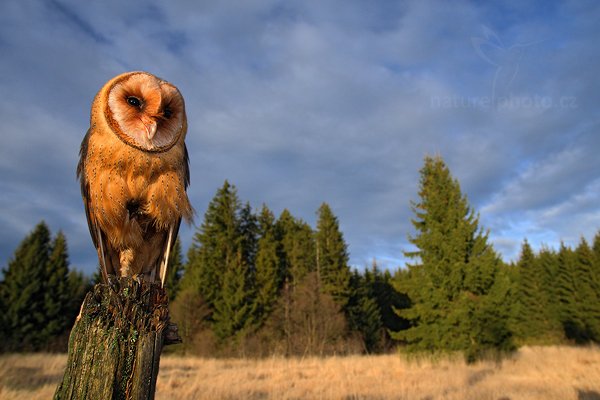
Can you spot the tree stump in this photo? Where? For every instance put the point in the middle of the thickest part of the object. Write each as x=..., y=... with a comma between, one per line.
x=115, y=344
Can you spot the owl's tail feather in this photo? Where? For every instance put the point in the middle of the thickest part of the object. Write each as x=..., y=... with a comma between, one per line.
x=165, y=261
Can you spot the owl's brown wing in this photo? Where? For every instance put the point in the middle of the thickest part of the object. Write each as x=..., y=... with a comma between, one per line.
x=85, y=187
x=186, y=183
x=186, y=167
x=95, y=232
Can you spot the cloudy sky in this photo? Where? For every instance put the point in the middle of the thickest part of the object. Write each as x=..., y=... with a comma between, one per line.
x=301, y=102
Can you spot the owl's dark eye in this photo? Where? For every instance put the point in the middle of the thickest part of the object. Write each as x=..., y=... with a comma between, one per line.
x=167, y=113
x=134, y=101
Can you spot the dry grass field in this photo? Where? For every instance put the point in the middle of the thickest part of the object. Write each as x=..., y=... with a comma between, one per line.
x=533, y=373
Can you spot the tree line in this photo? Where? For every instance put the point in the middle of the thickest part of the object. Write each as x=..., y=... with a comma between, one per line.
x=266, y=284
x=463, y=297
x=255, y=284
x=39, y=295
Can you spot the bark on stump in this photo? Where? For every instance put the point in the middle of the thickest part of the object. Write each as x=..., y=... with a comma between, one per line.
x=115, y=344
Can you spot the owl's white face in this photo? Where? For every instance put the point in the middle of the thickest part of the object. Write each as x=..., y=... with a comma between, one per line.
x=146, y=112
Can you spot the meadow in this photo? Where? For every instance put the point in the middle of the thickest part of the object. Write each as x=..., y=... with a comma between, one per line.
x=532, y=373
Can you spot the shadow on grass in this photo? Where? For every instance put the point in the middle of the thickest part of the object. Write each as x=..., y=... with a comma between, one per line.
x=28, y=378
x=587, y=395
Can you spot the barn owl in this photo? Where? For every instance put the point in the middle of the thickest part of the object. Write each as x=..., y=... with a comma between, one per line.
x=134, y=172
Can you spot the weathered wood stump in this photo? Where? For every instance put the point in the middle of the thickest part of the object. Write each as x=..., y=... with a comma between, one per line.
x=115, y=344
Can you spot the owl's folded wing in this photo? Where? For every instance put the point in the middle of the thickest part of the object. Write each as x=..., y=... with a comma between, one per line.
x=95, y=232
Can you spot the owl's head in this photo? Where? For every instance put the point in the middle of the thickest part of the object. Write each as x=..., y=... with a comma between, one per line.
x=144, y=111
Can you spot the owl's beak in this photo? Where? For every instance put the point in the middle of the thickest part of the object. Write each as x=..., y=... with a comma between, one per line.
x=150, y=130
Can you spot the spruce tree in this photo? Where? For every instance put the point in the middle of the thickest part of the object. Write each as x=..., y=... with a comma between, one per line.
x=596, y=260
x=532, y=307
x=548, y=262
x=596, y=274
x=490, y=329
x=371, y=307
x=234, y=312
x=218, y=266
x=216, y=245
x=576, y=290
x=388, y=300
x=297, y=247
x=248, y=224
x=568, y=300
x=57, y=292
x=364, y=316
x=269, y=276
x=23, y=292
x=451, y=284
x=39, y=297
x=596, y=251
x=588, y=291
x=332, y=257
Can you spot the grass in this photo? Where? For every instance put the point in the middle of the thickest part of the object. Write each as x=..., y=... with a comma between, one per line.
x=533, y=373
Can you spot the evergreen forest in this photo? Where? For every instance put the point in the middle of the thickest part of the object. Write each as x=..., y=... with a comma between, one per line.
x=255, y=284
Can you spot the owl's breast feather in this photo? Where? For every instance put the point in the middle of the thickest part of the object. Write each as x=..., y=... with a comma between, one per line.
x=119, y=174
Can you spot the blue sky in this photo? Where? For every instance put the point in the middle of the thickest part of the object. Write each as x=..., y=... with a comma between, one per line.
x=300, y=102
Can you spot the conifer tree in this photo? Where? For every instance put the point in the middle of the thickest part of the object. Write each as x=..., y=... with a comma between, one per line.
x=548, y=262
x=57, y=293
x=575, y=290
x=249, y=235
x=363, y=312
x=297, y=247
x=216, y=245
x=596, y=251
x=332, y=257
x=388, y=300
x=532, y=306
x=455, y=273
x=234, y=311
x=39, y=297
x=269, y=275
x=371, y=307
x=588, y=291
x=218, y=266
x=490, y=329
x=596, y=258
x=565, y=288
x=23, y=291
